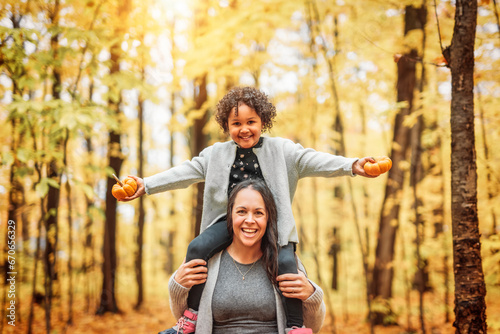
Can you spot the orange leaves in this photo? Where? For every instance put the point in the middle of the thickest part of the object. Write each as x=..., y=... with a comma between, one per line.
x=440, y=60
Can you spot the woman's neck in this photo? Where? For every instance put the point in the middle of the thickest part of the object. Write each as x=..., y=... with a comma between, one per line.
x=243, y=254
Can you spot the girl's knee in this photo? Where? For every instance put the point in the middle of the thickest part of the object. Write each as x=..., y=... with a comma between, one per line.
x=287, y=263
x=196, y=250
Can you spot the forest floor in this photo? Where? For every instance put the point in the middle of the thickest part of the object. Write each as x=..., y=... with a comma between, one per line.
x=155, y=316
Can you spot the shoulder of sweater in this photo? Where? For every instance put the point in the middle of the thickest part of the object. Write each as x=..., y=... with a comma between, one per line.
x=223, y=145
x=217, y=147
x=279, y=141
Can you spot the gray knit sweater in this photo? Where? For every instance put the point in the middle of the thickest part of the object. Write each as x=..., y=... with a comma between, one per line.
x=313, y=307
x=282, y=161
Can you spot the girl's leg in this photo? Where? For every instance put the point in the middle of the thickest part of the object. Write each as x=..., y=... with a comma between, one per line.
x=293, y=306
x=204, y=246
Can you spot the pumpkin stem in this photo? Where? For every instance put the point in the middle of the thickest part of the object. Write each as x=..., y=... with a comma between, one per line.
x=118, y=180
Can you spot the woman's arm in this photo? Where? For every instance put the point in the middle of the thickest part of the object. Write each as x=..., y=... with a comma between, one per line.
x=314, y=309
x=300, y=287
x=189, y=274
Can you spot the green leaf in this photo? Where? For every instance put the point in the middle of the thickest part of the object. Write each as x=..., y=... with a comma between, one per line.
x=53, y=183
x=42, y=188
x=88, y=190
x=23, y=155
x=7, y=158
x=109, y=171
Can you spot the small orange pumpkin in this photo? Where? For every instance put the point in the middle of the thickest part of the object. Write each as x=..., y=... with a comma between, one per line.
x=124, y=189
x=381, y=165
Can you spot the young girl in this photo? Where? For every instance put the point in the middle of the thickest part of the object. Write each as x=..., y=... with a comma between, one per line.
x=245, y=113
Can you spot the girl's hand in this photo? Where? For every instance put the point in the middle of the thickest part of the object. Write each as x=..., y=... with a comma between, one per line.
x=141, y=190
x=295, y=286
x=358, y=166
x=192, y=273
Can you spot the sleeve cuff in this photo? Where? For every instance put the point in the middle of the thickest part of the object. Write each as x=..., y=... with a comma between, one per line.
x=176, y=290
x=315, y=299
x=146, y=188
x=353, y=162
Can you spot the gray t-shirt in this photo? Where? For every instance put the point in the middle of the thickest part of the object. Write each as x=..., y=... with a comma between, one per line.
x=243, y=306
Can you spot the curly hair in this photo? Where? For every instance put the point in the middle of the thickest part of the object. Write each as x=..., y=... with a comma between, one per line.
x=251, y=97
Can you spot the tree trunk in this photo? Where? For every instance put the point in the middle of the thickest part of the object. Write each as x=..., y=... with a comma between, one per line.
x=334, y=253
x=169, y=243
x=435, y=172
x=416, y=175
x=51, y=237
x=16, y=196
x=109, y=267
x=89, y=220
x=470, y=290
x=140, y=225
x=70, y=234
x=16, y=202
x=199, y=141
x=34, y=294
x=495, y=9
x=53, y=172
x=383, y=272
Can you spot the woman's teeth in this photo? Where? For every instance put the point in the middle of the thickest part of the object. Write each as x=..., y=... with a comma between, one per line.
x=248, y=230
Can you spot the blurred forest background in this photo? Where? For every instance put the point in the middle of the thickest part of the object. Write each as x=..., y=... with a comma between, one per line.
x=94, y=87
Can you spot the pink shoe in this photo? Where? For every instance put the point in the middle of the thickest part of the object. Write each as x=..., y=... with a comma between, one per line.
x=297, y=330
x=185, y=325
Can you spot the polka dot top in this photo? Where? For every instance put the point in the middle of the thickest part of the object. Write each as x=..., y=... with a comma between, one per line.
x=245, y=166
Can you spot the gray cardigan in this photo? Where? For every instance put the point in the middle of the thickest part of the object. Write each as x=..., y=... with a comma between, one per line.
x=313, y=307
x=282, y=161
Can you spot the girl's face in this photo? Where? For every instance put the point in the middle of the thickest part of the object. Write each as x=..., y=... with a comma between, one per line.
x=244, y=129
x=249, y=217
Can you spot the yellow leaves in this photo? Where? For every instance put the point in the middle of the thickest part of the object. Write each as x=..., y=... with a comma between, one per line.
x=42, y=187
x=412, y=119
x=413, y=40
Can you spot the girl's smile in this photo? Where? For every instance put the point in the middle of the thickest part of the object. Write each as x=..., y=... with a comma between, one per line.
x=246, y=127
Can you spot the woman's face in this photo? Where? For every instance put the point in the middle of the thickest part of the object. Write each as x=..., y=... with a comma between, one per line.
x=249, y=216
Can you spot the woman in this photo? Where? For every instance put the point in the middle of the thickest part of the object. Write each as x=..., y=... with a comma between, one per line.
x=241, y=293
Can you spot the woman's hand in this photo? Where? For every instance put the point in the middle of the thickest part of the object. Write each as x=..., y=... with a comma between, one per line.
x=358, y=166
x=141, y=190
x=295, y=286
x=192, y=273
